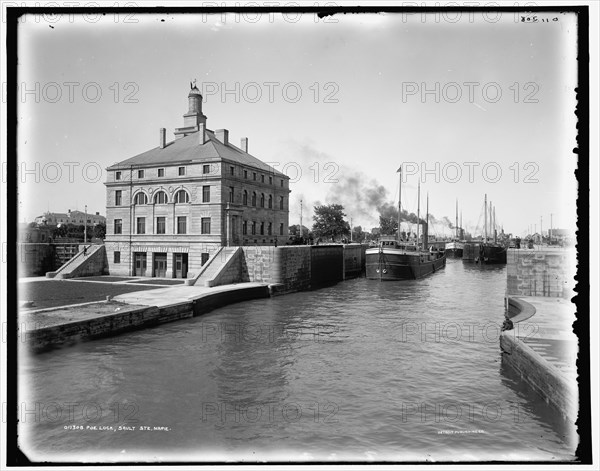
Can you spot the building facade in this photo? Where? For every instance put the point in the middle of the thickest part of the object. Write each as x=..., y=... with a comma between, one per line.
x=70, y=217
x=169, y=208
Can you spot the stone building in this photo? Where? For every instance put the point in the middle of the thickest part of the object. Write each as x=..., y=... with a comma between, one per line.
x=168, y=208
x=70, y=217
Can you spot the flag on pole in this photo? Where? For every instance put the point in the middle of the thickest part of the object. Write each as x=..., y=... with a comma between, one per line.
x=399, y=170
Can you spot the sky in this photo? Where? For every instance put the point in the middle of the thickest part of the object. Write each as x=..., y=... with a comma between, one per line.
x=468, y=105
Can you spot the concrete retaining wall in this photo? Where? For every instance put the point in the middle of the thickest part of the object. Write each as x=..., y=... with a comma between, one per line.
x=137, y=318
x=231, y=272
x=301, y=267
x=547, y=272
x=35, y=259
x=327, y=264
x=354, y=260
x=539, y=374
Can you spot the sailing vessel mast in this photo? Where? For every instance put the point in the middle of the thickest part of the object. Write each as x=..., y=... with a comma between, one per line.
x=426, y=231
x=456, y=220
x=418, y=211
x=495, y=232
x=485, y=218
x=399, y=200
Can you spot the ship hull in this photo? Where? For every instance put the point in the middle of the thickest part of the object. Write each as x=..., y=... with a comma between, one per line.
x=392, y=265
x=454, y=249
x=484, y=253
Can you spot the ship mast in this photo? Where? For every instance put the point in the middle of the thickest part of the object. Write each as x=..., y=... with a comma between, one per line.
x=485, y=218
x=399, y=199
x=418, y=211
x=426, y=231
x=456, y=221
x=495, y=232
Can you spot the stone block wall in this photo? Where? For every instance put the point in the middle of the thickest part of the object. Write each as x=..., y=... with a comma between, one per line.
x=35, y=259
x=327, y=264
x=231, y=272
x=257, y=263
x=354, y=260
x=292, y=268
x=546, y=272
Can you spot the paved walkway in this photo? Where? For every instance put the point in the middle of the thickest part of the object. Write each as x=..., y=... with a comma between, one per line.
x=549, y=332
x=165, y=296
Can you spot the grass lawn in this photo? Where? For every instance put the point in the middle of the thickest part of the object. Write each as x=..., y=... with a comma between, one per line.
x=52, y=293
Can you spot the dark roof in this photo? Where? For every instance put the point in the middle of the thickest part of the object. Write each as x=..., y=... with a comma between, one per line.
x=187, y=149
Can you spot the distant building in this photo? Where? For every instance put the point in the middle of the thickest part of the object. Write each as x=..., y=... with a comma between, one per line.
x=70, y=217
x=40, y=234
x=168, y=206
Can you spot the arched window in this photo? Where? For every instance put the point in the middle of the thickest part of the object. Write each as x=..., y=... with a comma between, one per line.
x=160, y=198
x=140, y=198
x=182, y=197
x=281, y=202
x=270, y=201
x=262, y=200
x=245, y=198
x=254, y=198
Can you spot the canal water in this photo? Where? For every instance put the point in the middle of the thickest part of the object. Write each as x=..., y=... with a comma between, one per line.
x=362, y=371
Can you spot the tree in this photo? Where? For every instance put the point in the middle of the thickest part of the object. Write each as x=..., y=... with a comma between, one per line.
x=100, y=231
x=329, y=222
x=357, y=234
x=388, y=226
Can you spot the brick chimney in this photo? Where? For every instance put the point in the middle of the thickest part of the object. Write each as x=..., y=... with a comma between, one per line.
x=244, y=144
x=201, y=133
x=222, y=135
x=163, y=138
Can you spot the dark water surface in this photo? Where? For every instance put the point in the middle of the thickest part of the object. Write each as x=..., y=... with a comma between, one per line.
x=362, y=371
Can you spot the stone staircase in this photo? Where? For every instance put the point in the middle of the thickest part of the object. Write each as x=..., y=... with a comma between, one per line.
x=215, y=266
x=92, y=263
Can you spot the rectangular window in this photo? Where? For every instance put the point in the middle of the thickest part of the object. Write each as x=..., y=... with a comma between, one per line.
x=231, y=170
x=270, y=180
x=117, y=175
x=140, y=174
x=118, y=226
x=141, y=225
x=246, y=174
x=245, y=228
x=270, y=228
x=262, y=178
x=205, y=225
x=117, y=257
x=281, y=202
x=262, y=228
x=254, y=176
x=281, y=182
x=205, y=169
x=231, y=194
x=253, y=228
x=206, y=194
x=281, y=229
x=181, y=171
x=181, y=225
x=118, y=197
x=161, y=172
x=161, y=225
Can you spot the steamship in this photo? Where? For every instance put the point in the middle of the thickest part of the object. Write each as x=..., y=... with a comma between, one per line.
x=487, y=250
x=454, y=249
x=395, y=259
